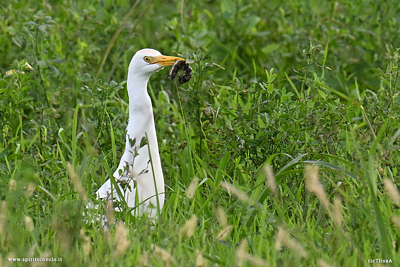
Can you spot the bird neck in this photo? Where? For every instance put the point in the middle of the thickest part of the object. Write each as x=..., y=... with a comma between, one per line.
x=141, y=120
x=137, y=87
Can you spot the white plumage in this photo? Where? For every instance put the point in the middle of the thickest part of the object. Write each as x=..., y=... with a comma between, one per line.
x=140, y=179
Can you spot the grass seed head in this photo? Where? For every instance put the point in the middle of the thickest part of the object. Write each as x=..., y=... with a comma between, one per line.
x=296, y=247
x=283, y=238
x=337, y=211
x=144, y=259
x=109, y=213
x=62, y=233
x=3, y=217
x=231, y=189
x=255, y=261
x=121, y=240
x=314, y=186
x=241, y=253
x=224, y=232
x=269, y=174
x=11, y=255
x=31, y=251
x=163, y=254
x=192, y=188
x=221, y=216
x=242, y=256
x=12, y=185
x=87, y=243
x=392, y=191
x=279, y=238
x=28, y=223
x=189, y=227
x=200, y=260
x=45, y=254
x=323, y=263
x=107, y=234
x=30, y=188
x=77, y=182
x=396, y=221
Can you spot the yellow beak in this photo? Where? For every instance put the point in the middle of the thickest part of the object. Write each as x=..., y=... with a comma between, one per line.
x=164, y=60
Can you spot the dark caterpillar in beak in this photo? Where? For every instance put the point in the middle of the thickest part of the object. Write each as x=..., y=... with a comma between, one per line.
x=187, y=71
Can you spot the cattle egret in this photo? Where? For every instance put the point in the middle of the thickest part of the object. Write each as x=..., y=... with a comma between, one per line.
x=139, y=175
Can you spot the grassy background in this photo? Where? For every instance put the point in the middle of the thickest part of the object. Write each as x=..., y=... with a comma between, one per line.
x=275, y=84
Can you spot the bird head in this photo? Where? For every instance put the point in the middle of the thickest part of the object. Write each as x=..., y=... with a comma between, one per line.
x=147, y=61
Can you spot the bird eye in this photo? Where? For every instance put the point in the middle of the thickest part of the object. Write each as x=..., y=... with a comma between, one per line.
x=147, y=59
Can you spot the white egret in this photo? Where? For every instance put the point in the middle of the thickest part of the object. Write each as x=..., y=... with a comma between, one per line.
x=139, y=175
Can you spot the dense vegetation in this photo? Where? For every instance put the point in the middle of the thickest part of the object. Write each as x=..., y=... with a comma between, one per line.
x=307, y=89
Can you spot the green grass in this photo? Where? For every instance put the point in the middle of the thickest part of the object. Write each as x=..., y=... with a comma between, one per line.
x=284, y=84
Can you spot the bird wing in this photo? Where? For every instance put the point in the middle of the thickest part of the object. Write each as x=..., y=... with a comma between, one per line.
x=135, y=180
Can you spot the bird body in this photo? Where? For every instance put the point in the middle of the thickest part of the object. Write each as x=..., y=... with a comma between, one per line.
x=139, y=175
